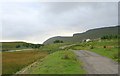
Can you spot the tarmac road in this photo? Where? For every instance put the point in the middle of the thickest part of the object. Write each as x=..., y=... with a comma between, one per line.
x=96, y=64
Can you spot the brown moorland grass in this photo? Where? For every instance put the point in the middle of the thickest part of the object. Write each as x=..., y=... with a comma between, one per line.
x=15, y=61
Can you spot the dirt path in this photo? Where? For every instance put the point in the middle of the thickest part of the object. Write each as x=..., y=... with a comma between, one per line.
x=96, y=64
x=66, y=46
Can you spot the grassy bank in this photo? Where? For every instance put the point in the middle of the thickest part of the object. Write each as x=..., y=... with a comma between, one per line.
x=60, y=62
x=15, y=61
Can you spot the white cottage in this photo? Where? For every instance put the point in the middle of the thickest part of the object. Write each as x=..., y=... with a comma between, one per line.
x=87, y=40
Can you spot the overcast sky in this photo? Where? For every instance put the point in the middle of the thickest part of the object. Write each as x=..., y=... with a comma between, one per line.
x=37, y=21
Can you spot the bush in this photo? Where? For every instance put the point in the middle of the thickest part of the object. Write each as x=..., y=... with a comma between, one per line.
x=65, y=57
x=91, y=47
x=110, y=37
x=18, y=46
x=58, y=41
x=104, y=46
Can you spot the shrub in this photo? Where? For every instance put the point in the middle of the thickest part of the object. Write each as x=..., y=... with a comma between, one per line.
x=65, y=57
x=104, y=46
x=18, y=46
x=110, y=37
x=58, y=41
x=91, y=47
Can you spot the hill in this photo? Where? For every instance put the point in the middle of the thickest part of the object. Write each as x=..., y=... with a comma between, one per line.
x=90, y=34
x=17, y=45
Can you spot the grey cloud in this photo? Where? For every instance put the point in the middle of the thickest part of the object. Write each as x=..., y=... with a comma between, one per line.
x=37, y=22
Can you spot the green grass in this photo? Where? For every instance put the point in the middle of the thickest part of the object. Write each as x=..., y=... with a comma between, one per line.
x=60, y=62
x=15, y=61
x=110, y=53
x=108, y=48
x=50, y=48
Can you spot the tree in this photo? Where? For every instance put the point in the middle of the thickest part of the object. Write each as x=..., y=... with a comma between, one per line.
x=18, y=46
x=58, y=41
x=37, y=45
x=110, y=37
x=26, y=45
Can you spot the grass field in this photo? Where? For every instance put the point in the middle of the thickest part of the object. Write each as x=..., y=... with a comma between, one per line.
x=108, y=48
x=60, y=62
x=15, y=61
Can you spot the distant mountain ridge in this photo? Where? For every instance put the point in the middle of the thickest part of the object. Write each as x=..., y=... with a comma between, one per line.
x=90, y=34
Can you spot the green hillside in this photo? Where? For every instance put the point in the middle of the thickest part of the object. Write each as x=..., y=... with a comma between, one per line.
x=90, y=34
x=65, y=39
x=6, y=46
